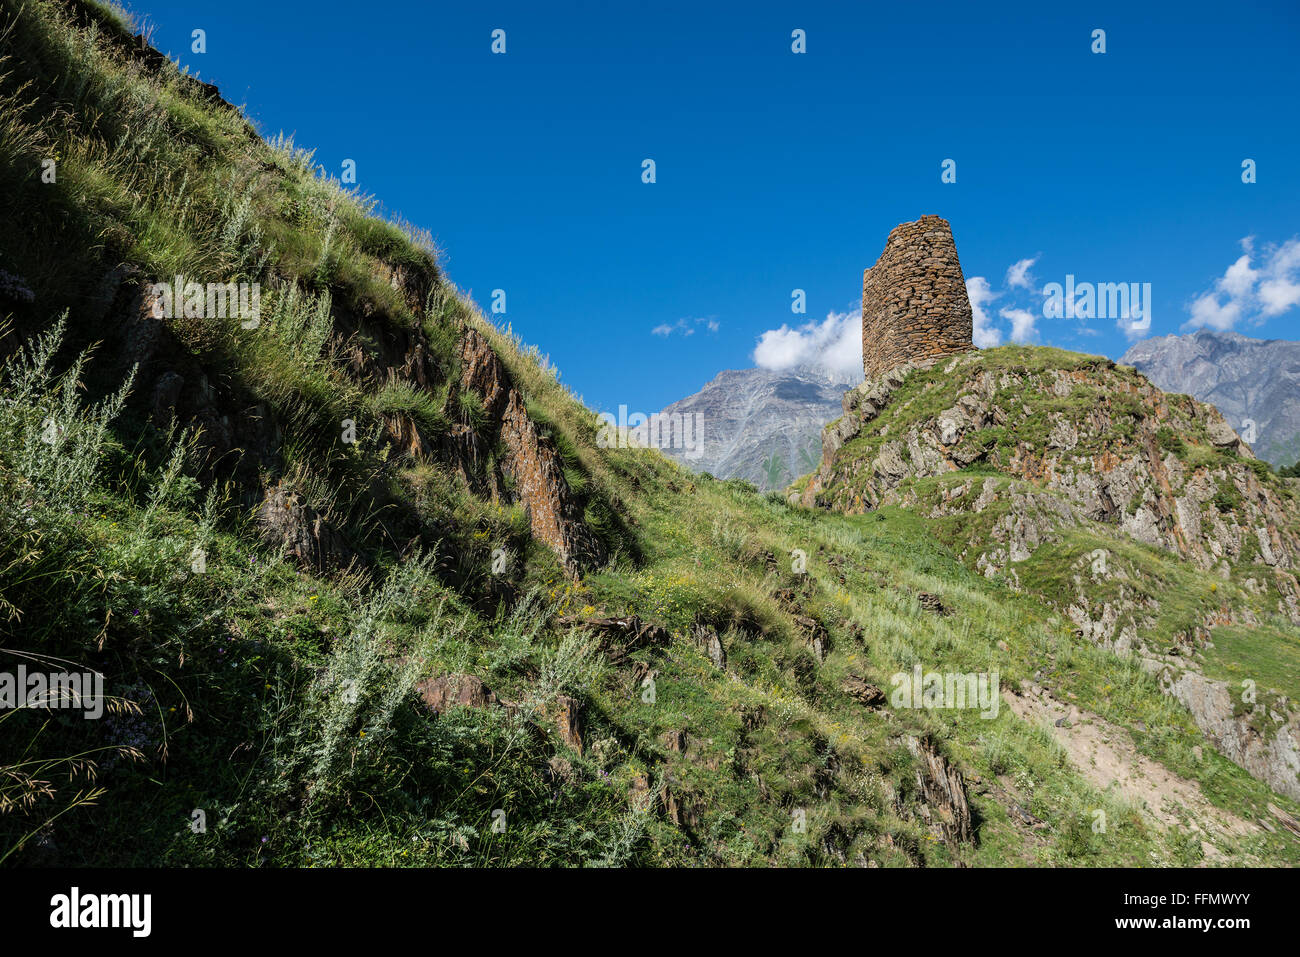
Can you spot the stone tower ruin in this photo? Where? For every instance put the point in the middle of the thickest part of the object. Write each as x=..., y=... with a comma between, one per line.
x=914, y=303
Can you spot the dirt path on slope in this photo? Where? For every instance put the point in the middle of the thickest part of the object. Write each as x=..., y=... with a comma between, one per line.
x=1106, y=757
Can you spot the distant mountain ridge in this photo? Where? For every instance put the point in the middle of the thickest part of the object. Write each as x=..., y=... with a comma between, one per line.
x=762, y=425
x=1255, y=383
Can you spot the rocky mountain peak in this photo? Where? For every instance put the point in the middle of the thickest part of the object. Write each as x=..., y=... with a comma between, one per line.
x=761, y=425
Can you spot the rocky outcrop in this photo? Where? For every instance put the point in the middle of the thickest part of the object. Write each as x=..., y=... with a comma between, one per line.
x=440, y=693
x=1073, y=450
x=1107, y=445
x=554, y=514
x=285, y=519
x=815, y=636
x=860, y=404
x=707, y=640
x=529, y=458
x=455, y=690
x=375, y=352
x=244, y=438
x=233, y=434
x=620, y=637
x=414, y=282
x=566, y=715
x=942, y=790
x=863, y=691
x=1263, y=740
x=483, y=373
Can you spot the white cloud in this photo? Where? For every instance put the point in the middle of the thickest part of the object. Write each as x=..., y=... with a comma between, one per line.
x=686, y=327
x=1022, y=324
x=1239, y=278
x=1249, y=293
x=832, y=346
x=1018, y=275
x=1208, y=312
x=1280, y=291
x=1276, y=296
x=984, y=334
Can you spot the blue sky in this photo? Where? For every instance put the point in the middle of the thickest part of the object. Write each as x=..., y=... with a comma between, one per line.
x=777, y=171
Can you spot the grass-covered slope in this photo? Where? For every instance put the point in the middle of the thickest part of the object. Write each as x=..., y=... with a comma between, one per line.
x=1140, y=516
x=320, y=651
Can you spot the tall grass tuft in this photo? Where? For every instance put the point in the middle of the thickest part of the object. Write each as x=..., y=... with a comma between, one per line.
x=56, y=443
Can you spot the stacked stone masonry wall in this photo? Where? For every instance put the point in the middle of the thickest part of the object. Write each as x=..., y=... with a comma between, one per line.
x=914, y=303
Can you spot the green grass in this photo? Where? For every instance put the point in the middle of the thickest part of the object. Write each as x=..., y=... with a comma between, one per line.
x=1268, y=654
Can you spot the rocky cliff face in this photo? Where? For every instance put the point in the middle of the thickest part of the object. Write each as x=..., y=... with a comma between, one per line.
x=761, y=425
x=1264, y=740
x=1248, y=380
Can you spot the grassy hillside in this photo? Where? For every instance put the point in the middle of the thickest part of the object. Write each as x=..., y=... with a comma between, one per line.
x=303, y=693
x=1140, y=516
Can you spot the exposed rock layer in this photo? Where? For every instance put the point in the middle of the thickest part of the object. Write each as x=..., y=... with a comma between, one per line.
x=530, y=458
